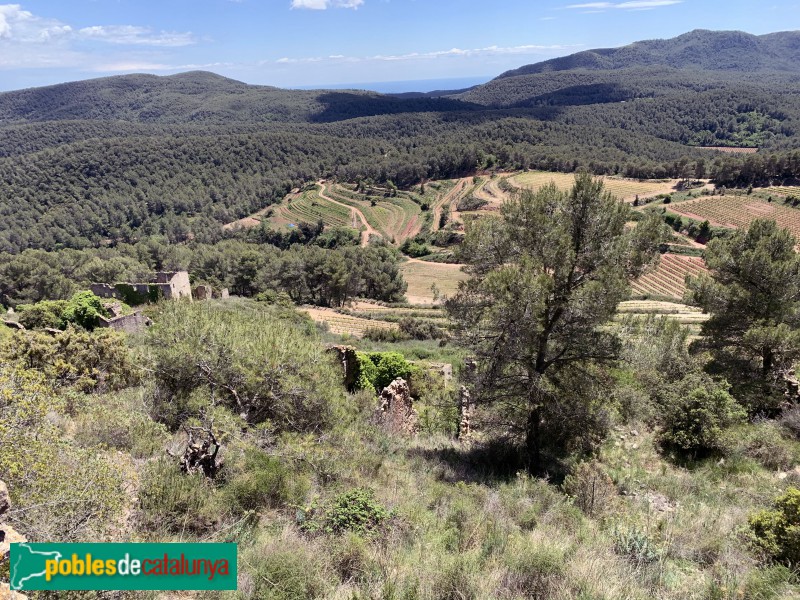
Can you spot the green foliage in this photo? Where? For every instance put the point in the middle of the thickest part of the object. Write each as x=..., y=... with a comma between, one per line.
x=89, y=361
x=84, y=309
x=263, y=481
x=59, y=490
x=390, y=366
x=119, y=421
x=367, y=372
x=696, y=418
x=414, y=249
x=753, y=295
x=776, y=532
x=247, y=357
x=545, y=277
x=591, y=488
x=535, y=570
x=284, y=570
x=44, y=314
x=376, y=370
x=173, y=502
x=132, y=297
x=636, y=545
x=354, y=511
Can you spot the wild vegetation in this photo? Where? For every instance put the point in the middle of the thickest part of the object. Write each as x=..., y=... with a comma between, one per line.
x=574, y=430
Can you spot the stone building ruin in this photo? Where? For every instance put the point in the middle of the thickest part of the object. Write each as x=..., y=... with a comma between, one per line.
x=167, y=285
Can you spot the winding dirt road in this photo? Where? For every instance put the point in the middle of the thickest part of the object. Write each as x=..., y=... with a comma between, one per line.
x=369, y=230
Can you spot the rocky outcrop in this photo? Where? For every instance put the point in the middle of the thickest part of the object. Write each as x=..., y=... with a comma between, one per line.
x=5, y=500
x=346, y=356
x=396, y=410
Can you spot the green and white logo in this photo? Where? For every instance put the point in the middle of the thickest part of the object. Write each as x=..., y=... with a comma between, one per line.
x=123, y=566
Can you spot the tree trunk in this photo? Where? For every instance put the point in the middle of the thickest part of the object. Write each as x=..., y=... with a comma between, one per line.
x=767, y=359
x=533, y=444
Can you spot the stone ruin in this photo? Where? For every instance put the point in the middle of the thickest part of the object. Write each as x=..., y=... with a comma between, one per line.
x=396, y=410
x=346, y=357
x=169, y=285
x=7, y=537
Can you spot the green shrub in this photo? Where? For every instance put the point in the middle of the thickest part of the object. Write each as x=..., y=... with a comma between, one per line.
x=419, y=329
x=89, y=361
x=119, y=421
x=174, y=502
x=264, y=481
x=776, y=532
x=246, y=357
x=354, y=511
x=635, y=545
x=694, y=422
x=59, y=490
x=766, y=584
x=44, y=314
x=390, y=366
x=283, y=570
x=84, y=309
x=455, y=581
x=367, y=372
x=590, y=487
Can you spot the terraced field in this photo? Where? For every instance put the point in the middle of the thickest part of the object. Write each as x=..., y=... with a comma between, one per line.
x=685, y=315
x=345, y=324
x=668, y=280
x=309, y=207
x=738, y=211
x=624, y=189
x=420, y=276
x=781, y=190
x=395, y=218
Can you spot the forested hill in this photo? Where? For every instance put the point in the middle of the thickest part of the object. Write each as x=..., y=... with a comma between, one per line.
x=126, y=158
x=699, y=49
x=199, y=97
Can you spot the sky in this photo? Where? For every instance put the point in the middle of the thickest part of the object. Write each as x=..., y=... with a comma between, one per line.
x=318, y=43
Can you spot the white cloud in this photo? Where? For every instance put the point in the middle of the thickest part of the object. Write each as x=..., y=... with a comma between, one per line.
x=324, y=4
x=135, y=36
x=630, y=5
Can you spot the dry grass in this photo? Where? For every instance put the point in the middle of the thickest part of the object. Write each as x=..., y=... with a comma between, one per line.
x=624, y=189
x=345, y=324
x=420, y=276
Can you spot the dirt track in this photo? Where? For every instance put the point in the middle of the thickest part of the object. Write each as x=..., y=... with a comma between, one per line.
x=369, y=230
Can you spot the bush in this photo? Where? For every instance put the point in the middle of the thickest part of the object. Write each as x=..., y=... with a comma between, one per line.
x=44, y=314
x=694, y=422
x=84, y=309
x=376, y=370
x=535, y=570
x=172, y=501
x=355, y=511
x=283, y=570
x=418, y=329
x=590, y=487
x=95, y=361
x=776, y=532
x=384, y=334
x=119, y=421
x=454, y=581
x=264, y=481
x=246, y=357
x=59, y=490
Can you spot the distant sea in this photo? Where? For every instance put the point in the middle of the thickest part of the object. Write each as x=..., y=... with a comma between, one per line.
x=399, y=87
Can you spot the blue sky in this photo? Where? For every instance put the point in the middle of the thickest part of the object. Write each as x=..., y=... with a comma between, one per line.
x=293, y=43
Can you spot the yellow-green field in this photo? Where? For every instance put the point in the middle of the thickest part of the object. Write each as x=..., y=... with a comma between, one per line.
x=345, y=324
x=309, y=207
x=420, y=276
x=781, y=190
x=624, y=189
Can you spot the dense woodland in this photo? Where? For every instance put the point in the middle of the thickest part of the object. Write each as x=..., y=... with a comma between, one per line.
x=121, y=159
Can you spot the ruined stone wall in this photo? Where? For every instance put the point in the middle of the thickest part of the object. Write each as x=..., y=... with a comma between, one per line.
x=126, y=323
